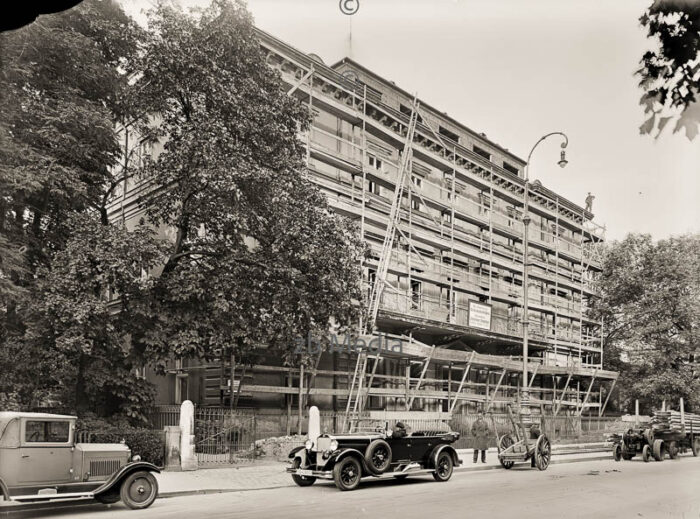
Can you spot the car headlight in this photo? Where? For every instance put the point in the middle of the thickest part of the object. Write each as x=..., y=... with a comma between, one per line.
x=333, y=445
x=308, y=445
x=136, y=457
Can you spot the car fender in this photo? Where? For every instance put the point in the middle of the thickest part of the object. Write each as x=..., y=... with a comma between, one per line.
x=336, y=457
x=294, y=451
x=116, y=479
x=4, y=491
x=300, y=452
x=444, y=448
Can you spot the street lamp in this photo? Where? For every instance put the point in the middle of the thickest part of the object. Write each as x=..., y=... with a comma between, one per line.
x=526, y=244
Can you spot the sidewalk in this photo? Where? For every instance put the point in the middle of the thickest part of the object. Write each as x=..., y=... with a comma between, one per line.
x=271, y=474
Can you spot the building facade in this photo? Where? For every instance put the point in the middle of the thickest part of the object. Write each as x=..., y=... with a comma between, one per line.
x=453, y=290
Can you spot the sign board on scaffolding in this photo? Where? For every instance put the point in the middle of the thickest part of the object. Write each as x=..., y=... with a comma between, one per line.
x=479, y=315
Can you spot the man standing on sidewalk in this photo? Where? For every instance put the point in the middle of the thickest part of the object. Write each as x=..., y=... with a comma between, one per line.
x=480, y=433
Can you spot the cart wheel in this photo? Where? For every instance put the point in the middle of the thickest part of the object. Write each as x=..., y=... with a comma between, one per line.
x=649, y=436
x=302, y=481
x=617, y=452
x=543, y=452
x=503, y=443
x=646, y=453
x=695, y=445
x=673, y=450
x=658, y=450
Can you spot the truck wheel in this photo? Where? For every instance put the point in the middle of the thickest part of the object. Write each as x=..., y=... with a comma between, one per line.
x=658, y=450
x=139, y=490
x=443, y=467
x=378, y=457
x=302, y=481
x=617, y=452
x=673, y=450
x=695, y=445
x=347, y=473
x=646, y=453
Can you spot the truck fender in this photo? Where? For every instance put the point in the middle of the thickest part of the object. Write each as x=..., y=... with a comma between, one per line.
x=4, y=491
x=444, y=448
x=116, y=479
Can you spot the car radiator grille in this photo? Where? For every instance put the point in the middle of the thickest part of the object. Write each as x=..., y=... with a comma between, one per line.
x=104, y=467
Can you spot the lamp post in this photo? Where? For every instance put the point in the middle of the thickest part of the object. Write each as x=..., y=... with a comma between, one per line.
x=526, y=244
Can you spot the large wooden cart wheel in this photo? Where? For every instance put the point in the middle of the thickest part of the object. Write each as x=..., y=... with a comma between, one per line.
x=646, y=453
x=617, y=452
x=543, y=452
x=657, y=449
x=504, y=442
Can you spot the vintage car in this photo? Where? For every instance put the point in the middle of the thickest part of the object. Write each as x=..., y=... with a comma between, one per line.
x=40, y=462
x=382, y=453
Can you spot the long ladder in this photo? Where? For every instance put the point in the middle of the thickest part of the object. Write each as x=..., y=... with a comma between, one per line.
x=394, y=218
x=359, y=390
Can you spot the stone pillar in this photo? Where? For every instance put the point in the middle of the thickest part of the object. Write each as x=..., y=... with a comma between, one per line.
x=172, y=447
x=188, y=458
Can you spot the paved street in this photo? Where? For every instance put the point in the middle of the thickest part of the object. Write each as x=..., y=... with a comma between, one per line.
x=589, y=489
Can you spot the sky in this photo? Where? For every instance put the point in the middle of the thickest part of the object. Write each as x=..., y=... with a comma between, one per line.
x=516, y=70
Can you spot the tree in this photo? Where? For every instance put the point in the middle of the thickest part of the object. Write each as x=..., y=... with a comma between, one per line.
x=258, y=258
x=64, y=82
x=670, y=75
x=651, y=306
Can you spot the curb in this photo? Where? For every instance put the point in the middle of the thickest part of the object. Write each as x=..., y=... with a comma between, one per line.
x=181, y=493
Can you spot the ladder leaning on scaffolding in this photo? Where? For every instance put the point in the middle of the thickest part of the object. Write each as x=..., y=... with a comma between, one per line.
x=358, y=392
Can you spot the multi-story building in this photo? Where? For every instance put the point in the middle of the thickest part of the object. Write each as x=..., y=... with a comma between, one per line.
x=453, y=290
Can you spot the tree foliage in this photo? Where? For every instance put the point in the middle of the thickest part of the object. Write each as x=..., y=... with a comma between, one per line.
x=651, y=306
x=257, y=257
x=64, y=81
x=670, y=74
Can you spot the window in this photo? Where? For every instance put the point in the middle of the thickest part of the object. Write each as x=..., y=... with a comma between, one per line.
x=47, y=432
x=447, y=217
x=417, y=181
x=510, y=168
x=482, y=152
x=416, y=294
x=374, y=188
x=416, y=205
x=449, y=134
x=375, y=163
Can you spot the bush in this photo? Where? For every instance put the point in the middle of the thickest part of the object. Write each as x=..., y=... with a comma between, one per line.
x=147, y=443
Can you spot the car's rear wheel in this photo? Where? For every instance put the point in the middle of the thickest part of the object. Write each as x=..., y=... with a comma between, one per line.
x=646, y=453
x=347, y=473
x=443, y=467
x=658, y=450
x=378, y=457
x=302, y=481
x=139, y=490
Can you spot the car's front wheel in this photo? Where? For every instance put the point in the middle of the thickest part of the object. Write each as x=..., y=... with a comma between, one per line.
x=302, y=481
x=443, y=467
x=347, y=474
x=139, y=490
